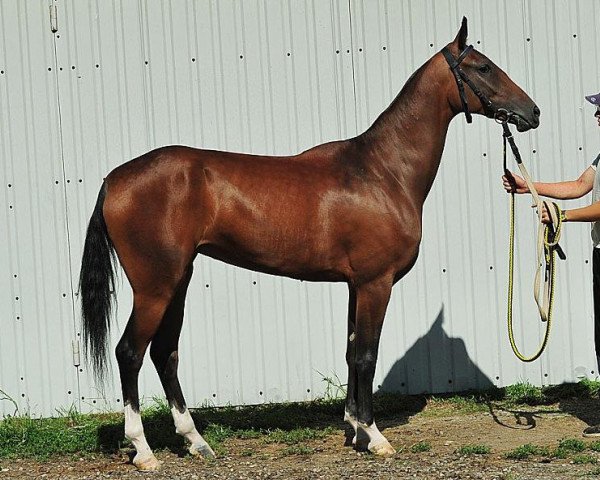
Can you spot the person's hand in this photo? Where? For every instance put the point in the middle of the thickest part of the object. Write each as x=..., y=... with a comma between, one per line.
x=514, y=183
x=545, y=215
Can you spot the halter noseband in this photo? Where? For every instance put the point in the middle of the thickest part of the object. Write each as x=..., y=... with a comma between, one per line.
x=460, y=76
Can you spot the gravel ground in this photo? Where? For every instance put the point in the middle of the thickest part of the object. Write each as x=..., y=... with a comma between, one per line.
x=328, y=458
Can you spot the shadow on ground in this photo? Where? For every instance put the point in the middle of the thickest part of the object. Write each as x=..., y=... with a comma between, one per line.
x=389, y=409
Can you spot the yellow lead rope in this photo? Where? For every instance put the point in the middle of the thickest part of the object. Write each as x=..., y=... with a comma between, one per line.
x=547, y=247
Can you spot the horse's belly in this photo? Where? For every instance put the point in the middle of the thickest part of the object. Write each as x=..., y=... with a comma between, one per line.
x=293, y=252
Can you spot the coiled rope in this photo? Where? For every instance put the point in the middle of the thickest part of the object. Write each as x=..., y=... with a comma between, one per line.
x=547, y=246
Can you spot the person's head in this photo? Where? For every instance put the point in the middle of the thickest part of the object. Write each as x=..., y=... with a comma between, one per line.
x=595, y=100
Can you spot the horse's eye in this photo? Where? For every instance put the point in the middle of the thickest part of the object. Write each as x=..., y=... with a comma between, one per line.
x=485, y=68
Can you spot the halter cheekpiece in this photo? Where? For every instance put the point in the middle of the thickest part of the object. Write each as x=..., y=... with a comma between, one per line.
x=461, y=76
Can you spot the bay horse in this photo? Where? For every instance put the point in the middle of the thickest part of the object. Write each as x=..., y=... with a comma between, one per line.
x=346, y=211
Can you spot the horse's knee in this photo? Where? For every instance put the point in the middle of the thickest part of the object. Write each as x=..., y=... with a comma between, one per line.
x=365, y=364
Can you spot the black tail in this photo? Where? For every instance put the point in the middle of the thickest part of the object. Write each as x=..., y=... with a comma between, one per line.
x=96, y=284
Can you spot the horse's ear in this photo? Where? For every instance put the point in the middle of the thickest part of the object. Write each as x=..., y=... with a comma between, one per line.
x=461, y=37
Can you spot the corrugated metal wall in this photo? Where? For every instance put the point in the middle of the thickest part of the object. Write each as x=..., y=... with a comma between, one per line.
x=120, y=78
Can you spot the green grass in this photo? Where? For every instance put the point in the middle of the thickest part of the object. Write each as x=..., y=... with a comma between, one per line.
x=297, y=435
x=524, y=393
x=420, y=447
x=523, y=452
x=448, y=405
x=595, y=446
x=572, y=445
x=288, y=424
x=298, y=450
x=473, y=450
x=584, y=458
x=568, y=448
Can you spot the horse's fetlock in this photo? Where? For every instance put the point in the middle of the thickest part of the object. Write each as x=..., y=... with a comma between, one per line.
x=133, y=432
x=184, y=424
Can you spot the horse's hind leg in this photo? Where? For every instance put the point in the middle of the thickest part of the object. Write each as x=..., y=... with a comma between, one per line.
x=165, y=355
x=154, y=278
x=143, y=323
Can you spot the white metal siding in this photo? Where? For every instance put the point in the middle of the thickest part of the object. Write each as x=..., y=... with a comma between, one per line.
x=277, y=77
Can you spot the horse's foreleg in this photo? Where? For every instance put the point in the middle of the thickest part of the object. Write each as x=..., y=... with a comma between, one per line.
x=350, y=411
x=371, y=304
x=164, y=354
x=143, y=323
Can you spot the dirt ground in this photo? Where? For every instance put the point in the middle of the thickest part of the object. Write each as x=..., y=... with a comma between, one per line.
x=500, y=429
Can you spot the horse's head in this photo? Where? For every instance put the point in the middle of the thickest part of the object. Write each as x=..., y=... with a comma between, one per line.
x=489, y=91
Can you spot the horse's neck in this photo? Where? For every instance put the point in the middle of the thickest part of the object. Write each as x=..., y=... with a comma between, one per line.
x=408, y=138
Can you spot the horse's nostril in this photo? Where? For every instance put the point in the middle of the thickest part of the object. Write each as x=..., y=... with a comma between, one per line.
x=536, y=111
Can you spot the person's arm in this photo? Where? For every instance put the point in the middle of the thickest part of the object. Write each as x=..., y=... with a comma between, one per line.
x=591, y=213
x=559, y=190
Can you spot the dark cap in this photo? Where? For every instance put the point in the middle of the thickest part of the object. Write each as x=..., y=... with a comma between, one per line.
x=595, y=99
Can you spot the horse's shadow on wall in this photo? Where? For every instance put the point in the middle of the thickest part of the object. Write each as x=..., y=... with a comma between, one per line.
x=435, y=363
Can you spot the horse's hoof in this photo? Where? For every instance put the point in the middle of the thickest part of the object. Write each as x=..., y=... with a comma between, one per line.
x=202, y=450
x=383, y=449
x=147, y=463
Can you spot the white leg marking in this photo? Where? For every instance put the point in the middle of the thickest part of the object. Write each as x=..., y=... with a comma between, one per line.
x=353, y=422
x=370, y=437
x=184, y=425
x=134, y=431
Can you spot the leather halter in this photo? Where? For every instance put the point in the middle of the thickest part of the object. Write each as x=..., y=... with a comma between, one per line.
x=460, y=76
